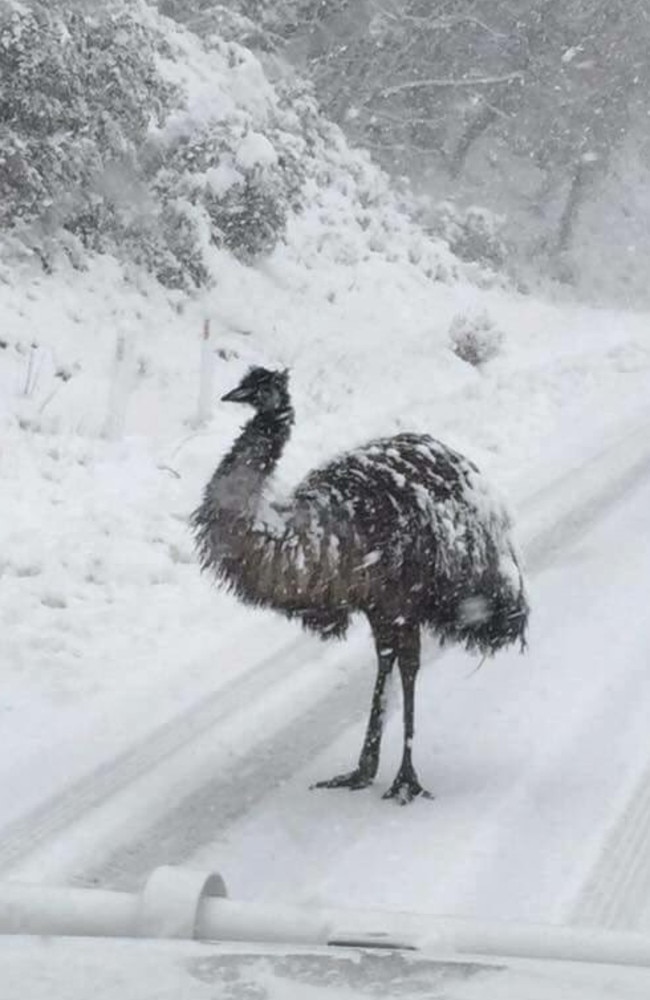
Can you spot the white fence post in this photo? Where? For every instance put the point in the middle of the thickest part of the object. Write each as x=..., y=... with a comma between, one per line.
x=118, y=391
x=204, y=407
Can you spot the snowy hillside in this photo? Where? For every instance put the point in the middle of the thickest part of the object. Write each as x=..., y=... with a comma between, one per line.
x=108, y=627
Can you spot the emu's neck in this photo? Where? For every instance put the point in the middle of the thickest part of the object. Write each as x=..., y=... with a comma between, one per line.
x=235, y=490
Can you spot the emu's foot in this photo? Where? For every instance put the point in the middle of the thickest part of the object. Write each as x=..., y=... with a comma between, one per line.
x=405, y=788
x=353, y=780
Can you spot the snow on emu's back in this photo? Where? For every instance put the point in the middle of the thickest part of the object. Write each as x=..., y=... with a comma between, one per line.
x=403, y=529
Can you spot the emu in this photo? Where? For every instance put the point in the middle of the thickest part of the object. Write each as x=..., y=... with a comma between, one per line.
x=403, y=530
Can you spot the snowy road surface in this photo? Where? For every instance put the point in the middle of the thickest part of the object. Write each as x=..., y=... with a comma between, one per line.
x=534, y=760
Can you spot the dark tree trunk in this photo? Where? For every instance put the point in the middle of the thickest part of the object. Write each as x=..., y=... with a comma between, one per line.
x=474, y=130
x=581, y=180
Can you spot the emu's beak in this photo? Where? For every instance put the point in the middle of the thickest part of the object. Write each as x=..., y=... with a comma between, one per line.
x=236, y=395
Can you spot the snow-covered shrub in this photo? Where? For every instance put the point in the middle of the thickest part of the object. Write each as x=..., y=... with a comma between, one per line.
x=474, y=234
x=235, y=180
x=250, y=219
x=475, y=339
x=170, y=244
x=261, y=25
x=225, y=20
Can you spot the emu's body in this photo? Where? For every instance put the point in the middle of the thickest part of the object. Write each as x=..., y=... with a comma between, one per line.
x=403, y=530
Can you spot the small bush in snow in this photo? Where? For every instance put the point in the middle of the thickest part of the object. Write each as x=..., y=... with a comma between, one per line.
x=475, y=339
x=473, y=234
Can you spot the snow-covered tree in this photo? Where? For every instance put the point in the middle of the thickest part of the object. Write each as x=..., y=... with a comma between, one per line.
x=77, y=95
x=549, y=82
x=166, y=146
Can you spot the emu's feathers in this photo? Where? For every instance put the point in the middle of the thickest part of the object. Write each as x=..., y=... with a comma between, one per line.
x=403, y=526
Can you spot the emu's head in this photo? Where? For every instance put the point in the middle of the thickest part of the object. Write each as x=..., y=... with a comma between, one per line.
x=267, y=391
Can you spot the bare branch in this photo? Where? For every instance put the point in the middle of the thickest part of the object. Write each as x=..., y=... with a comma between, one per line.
x=402, y=119
x=475, y=81
x=442, y=24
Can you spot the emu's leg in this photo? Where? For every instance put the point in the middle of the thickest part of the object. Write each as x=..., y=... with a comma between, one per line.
x=406, y=785
x=365, y=771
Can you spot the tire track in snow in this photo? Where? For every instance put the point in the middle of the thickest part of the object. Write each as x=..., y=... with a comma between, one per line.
x=617, y=892
x=550, y=519
x=588, y=493
x=229, y=794
x=44, y=823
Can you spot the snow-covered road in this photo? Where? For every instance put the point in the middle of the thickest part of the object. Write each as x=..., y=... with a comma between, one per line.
x=534, y=760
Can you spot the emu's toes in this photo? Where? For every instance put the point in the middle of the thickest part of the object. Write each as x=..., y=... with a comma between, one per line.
x=353, y=780
x=404, y=790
